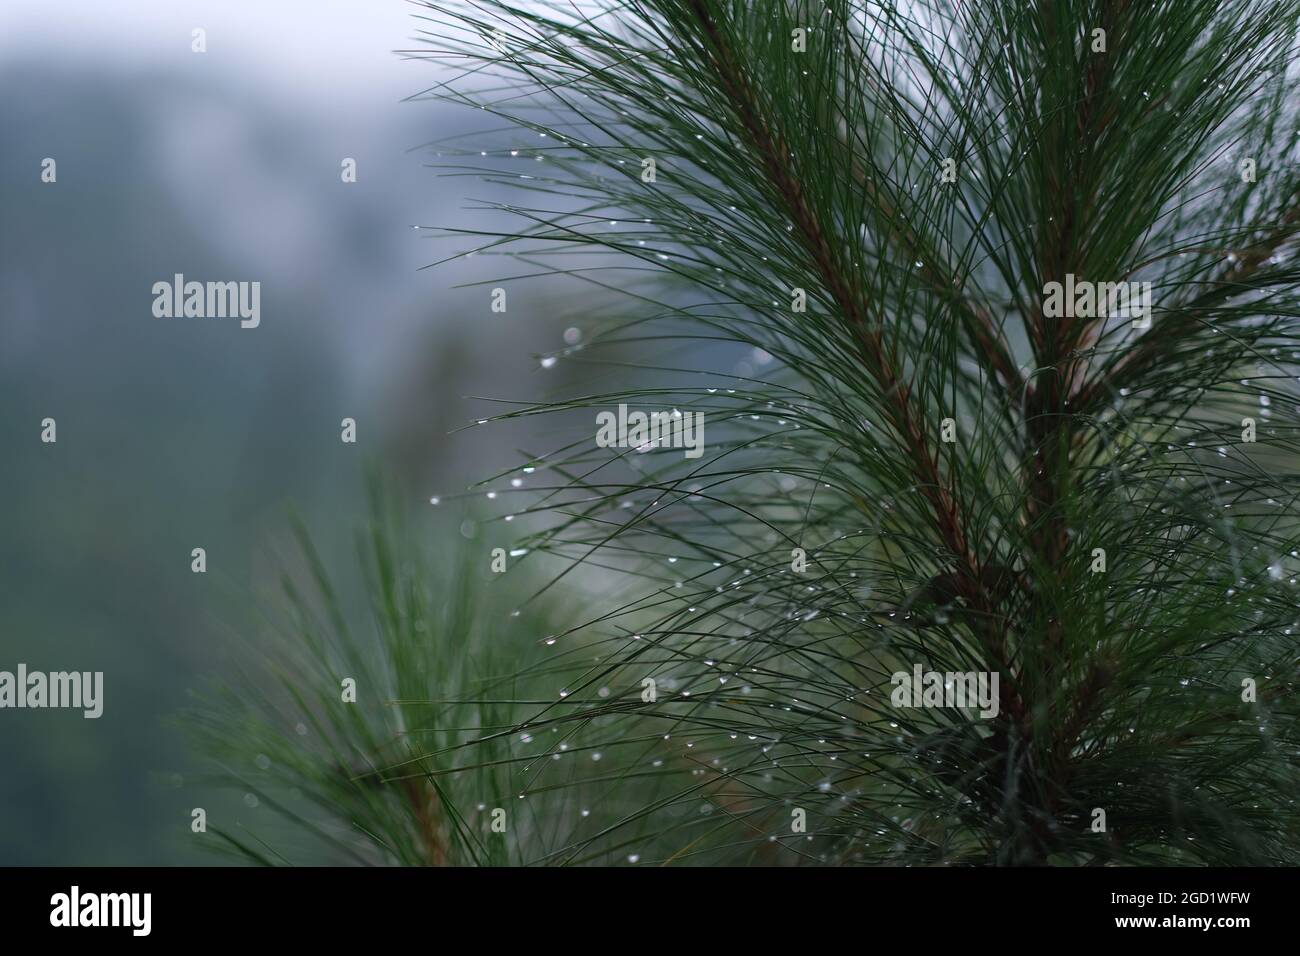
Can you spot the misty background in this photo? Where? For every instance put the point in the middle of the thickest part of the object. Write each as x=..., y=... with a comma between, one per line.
x=182, y=433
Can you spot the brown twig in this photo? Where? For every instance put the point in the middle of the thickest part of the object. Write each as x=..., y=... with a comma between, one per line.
x=773, y=154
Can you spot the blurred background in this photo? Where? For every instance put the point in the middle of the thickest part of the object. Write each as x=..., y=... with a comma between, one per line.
x=183, y=433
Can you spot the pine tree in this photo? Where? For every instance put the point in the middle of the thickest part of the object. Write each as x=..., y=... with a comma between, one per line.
x=1008, y=298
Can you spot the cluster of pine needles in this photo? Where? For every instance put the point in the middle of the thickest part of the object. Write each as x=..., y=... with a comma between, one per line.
x=853, y=208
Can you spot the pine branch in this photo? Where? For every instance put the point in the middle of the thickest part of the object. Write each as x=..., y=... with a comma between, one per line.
x=1092, y=203
x=773, y=150
x=1111, y=531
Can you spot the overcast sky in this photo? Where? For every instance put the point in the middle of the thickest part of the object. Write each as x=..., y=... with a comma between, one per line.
x=332, y=49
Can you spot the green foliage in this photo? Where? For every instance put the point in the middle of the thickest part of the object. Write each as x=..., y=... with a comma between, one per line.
x=357, y=781
x=821, y=170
